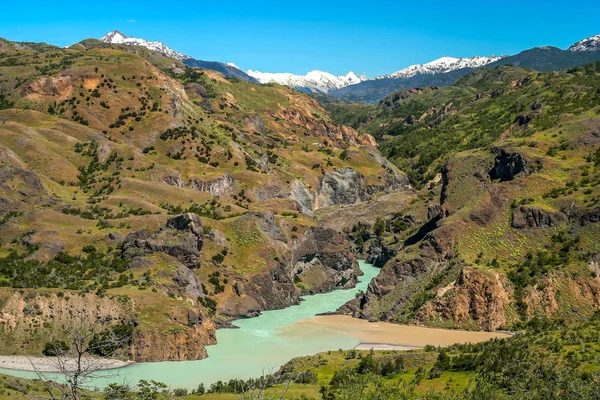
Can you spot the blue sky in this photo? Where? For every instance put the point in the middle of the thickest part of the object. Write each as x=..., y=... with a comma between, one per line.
x=372, y=37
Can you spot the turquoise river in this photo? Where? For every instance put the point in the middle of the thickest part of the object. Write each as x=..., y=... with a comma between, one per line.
x=262, y=344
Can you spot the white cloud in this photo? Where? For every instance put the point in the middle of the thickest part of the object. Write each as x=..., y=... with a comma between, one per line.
x=132, y=21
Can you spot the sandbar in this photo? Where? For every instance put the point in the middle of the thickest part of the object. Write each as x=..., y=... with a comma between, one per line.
x=385, y=333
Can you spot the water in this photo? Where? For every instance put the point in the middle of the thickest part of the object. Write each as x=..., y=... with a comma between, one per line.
x=261, y=345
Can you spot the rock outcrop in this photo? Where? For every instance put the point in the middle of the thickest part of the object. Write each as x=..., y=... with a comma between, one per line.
x=509, y=165
x=18, y=187
x=590, y=216
x=379, y=255
x=181, y=238
x=322, y=261
x=174, y=345
x=254, y=123
x=268, y=290
x=534, y=217
x=477, y=298
x=217, y=187
x=188, y=281
x=344, y=186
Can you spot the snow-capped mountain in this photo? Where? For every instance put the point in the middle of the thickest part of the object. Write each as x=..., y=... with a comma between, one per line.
x=314, y=81
x=324, y=82
x=117, y=37
x=589, y=44
x=441, y=65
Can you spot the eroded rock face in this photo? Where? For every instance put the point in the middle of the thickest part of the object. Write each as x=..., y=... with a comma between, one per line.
x=269, y=290
x=533, y=217
x=188, y=281
x=25, y=313
x=17, y=186
x=478, y=297
x=583, y=293
x=181, y=238
x=344, y=186
x=175, y=345
x=217, y=187
x=302, y=196
x=254, y=123
x=340, y=135
x=323, y=261
x=60, y=88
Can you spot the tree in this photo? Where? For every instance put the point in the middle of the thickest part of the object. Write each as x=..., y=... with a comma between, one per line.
x=262, y=388
x=86, y=347
x=379, y=227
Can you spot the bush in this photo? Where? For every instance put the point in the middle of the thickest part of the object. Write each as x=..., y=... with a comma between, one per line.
x=55, y=348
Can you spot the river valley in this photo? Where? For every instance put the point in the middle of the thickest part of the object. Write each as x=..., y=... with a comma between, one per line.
x=264, y=343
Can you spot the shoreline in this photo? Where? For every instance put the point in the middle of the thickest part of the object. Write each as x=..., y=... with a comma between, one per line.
x=385, y=347
x=387, y=334
x=50, y=364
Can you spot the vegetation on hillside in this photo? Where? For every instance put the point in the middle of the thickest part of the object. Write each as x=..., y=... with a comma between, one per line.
x=99, y=142
x=420, y=128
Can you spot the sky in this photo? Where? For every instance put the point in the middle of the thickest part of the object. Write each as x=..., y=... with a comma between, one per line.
x=371, y=37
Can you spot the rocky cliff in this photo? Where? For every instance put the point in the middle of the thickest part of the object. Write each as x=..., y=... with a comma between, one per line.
x=321, y=260
x=498, y=249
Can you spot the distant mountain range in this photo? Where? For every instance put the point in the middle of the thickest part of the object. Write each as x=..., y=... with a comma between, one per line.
x=441, y=72
x=312, y=82
x=538, y=58
x=324, y=82
x=441, y=65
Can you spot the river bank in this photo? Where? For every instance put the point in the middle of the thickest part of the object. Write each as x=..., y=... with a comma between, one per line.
x=387, y=334
x=264, y=343
x=52, y=364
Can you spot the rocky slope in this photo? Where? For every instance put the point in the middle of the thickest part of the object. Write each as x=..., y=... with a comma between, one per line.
x=130, y=177
x=505, y=232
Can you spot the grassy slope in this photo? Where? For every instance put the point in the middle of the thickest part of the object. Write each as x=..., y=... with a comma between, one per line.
x=107, y=109
x=551, y=121
x=421, y=128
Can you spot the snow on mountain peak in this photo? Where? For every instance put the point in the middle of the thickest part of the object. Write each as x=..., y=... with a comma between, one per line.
x=442, y=65
x=588, y=44
x=314, y=81
x=118, y=37
x=113, y=37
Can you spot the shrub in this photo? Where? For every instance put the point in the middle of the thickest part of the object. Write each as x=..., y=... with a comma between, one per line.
x=55, y=348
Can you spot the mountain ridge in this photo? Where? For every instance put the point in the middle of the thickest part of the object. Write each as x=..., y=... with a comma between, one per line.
x=314, y=81
x=544, y=58
x=229, y=70
x=591, y=43
x=117, y=37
